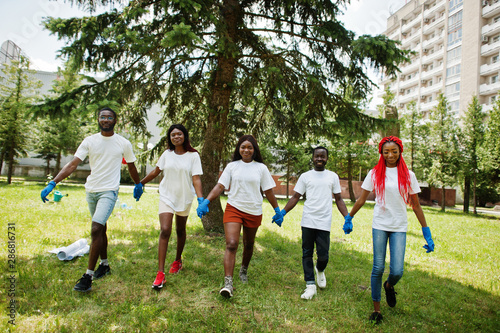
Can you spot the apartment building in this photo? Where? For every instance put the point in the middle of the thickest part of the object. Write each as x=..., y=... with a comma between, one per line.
x=457, y=45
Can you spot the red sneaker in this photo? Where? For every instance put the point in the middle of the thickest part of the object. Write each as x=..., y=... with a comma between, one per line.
x=175, y=267
x=159, y=281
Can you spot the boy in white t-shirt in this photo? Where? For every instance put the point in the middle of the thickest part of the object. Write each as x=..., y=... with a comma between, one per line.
x=318, y=185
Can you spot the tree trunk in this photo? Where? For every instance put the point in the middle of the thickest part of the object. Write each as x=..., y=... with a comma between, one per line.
x=443, y=199
x=1, y=161
x=219, y=103
x=287, y=176
x=466, y=194
x=349, y=178
x=474, y=199
x=58, y=163
x=47, y=166
x=10, y=168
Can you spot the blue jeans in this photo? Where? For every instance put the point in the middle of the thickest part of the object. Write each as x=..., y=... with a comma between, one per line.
x=322, y=240
x=101, y=205
x=397, y=245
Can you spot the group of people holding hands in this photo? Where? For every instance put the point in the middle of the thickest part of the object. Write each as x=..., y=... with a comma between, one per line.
x=245, y=178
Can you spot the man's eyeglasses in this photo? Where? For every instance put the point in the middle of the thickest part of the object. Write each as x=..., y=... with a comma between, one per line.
x=106, y=118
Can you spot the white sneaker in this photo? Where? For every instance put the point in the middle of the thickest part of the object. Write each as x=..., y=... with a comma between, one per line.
x=309, y=292
x=321, y=278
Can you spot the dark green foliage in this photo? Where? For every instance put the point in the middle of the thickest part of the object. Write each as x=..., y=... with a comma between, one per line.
x=225, y=68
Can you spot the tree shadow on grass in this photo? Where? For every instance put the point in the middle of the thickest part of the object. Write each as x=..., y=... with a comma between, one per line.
x=124, y=300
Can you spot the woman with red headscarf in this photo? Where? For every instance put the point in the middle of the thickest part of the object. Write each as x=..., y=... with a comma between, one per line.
x=395, y=187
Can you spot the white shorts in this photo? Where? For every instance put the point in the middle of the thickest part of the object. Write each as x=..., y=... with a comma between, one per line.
x=164, y=208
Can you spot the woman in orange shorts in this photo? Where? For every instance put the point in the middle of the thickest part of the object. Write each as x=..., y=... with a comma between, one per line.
x=245, y=176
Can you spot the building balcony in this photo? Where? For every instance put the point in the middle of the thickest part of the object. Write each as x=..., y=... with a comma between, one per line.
x=408, y=83
x=427, y=106
x=488, y=89
x=486, y=107
x=439, y=22
x=431, y=72
x=409, y=97
x=430, y=42
x=431, y=89
x=490, y=49
x=488, y=69
x=410, y=24
x=492, y=9
x=395, y=36
x=439, y=5
x=491, y=29
x=433, y=56
x=410, y=67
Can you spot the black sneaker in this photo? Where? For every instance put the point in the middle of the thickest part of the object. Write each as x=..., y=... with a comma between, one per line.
x=390, y=295
x=376, y=318
x=101, y=271
x=84, y=284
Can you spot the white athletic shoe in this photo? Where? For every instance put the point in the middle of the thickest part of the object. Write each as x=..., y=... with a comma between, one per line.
x=321, y=278
x=309, y=292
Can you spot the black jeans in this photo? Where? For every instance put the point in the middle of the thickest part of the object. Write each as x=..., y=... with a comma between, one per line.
x=322, y=240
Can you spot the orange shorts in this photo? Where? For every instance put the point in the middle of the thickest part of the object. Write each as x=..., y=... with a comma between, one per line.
x=232, y=214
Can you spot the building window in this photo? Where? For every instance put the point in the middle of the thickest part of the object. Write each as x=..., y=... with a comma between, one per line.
x=454, y=106
x=454, y=37
x=455, y=21
x=453, y=71
x=453, y=90
x=496, y=19
x=494, y=79
x=429, y=83
x=455, y=4
x=454, y=54
x=495, y=59
x=493, y=99
x=496, y=38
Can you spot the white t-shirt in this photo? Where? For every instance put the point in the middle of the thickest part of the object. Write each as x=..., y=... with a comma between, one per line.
x=392, y=215
x=244, y=181
x=105, y=158
x=318, y=187
x=176, y=187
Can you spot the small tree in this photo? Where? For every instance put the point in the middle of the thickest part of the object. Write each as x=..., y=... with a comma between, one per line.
x=58, y=137
x=414, y=132
x=471, y=138
x=18, y=91
x=389, y=112
x=489, y=155
x=443, y=146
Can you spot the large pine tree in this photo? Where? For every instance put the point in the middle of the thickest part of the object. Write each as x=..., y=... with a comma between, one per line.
x=210, y=63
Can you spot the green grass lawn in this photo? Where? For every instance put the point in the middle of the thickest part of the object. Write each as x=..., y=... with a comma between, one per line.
x=454, y=289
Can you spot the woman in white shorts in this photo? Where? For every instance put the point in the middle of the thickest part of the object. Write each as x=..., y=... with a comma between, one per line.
x=181, y=166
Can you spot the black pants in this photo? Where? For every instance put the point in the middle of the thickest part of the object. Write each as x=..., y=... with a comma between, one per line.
x=322, y=240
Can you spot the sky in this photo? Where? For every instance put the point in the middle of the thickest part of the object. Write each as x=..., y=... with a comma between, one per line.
x=21, y=23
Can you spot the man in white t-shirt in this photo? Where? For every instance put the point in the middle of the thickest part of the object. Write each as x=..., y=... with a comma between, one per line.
x=318, y=185
x=105, y=150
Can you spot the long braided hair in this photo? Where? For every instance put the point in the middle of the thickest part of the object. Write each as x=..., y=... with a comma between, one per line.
x=378, y=174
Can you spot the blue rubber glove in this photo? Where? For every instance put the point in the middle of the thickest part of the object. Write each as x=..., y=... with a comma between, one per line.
x=278, y=217
x=428, y=238
x=138, y=190
x=200, y=200
x=47, y=190
x=347, y=224
x=202, y=208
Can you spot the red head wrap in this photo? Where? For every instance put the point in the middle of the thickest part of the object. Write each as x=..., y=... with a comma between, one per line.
x=378, y=173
